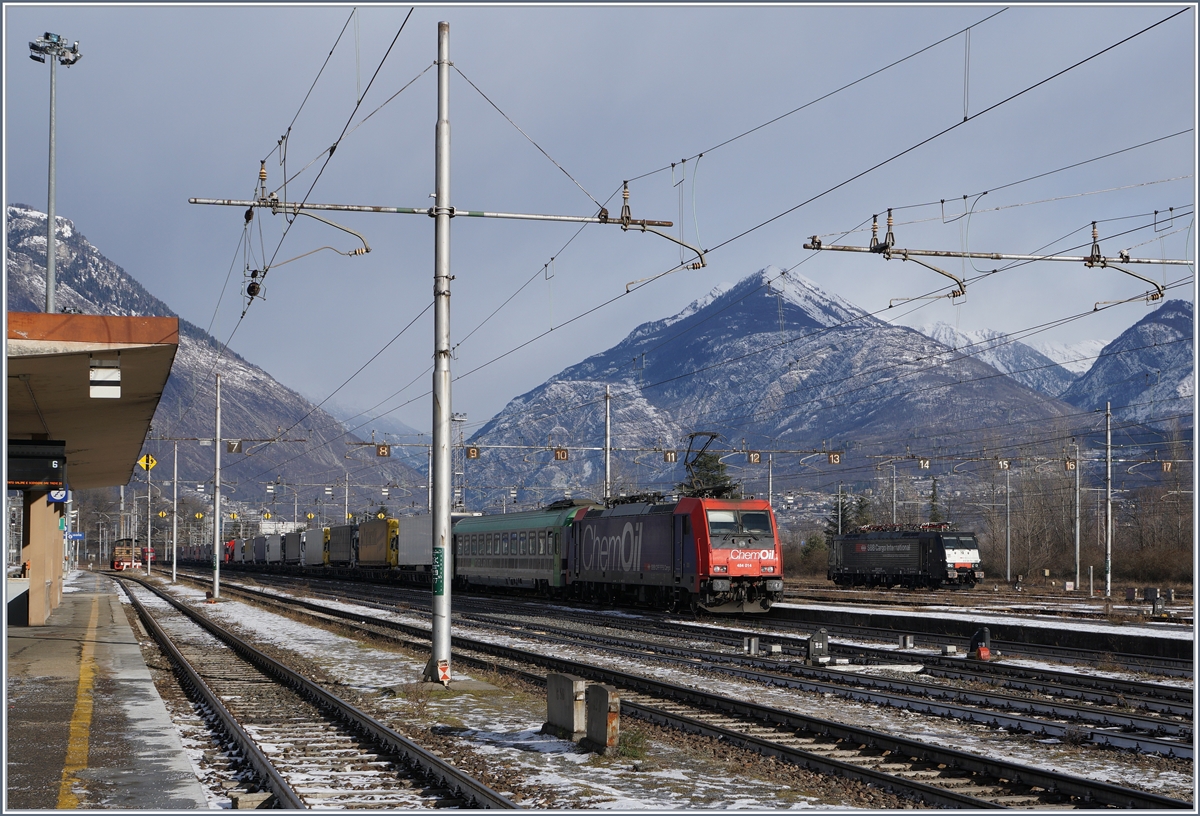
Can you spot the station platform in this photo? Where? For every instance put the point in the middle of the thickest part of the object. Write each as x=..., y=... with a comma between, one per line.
x=85, y=727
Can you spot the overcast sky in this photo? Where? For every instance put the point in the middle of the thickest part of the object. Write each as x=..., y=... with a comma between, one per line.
x=174, y=102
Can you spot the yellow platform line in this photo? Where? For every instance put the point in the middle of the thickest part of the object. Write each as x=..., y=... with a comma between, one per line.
x=81, y=719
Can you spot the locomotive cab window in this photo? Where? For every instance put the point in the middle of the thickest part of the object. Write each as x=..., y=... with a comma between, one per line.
x=724, y=524
x=756, y=522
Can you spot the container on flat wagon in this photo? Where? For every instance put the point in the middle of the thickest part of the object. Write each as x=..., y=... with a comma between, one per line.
x=274, y=549
x=260, y=550
x=415, y=542
x=341, y=545
x=312, y=547
x=239, y=554
x=291, y=548
x=373, y=539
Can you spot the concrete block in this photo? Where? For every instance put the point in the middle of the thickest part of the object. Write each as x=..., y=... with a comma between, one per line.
x=949, y=650
x=907, y=641
x=566, y=713
x=252, y=801
x=750, y=645
x=603, y=719
x=774, y=649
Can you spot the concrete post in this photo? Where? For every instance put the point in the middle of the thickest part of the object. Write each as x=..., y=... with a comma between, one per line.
x=603, y=719
x=566, y=712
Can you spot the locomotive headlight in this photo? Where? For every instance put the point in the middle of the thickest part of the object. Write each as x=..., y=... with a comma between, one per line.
x=720, y=568
x=768, y=569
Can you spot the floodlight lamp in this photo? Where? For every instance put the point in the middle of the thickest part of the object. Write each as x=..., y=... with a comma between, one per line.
x=52, y=37
x=37, y=57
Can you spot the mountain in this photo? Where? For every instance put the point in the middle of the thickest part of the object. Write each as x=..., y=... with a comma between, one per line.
x=1074, y=357
x=254, y=406
x=772, y=362
x=1023, y=363
x=1147, y=372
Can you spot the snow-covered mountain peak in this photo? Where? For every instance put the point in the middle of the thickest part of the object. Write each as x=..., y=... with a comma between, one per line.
x=825, y=308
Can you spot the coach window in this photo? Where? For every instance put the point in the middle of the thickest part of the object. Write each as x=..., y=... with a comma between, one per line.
x=504, y=543
x=524, y=537
x=542, y=542
x=487, y=537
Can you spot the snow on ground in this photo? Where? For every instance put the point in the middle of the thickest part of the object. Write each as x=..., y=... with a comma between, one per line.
x=499, y=725
x=1173, y=631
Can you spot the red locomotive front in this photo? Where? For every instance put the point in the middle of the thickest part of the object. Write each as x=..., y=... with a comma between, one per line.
x=739, y=564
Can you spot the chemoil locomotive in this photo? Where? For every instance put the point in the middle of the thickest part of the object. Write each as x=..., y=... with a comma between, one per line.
x=886, y=556
x=719, y=555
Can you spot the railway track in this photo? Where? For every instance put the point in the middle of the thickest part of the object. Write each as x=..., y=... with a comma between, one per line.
x=1164, y=699
x=1166, y=736
x=926, y=772
x=309, y=748
x=1168, y=708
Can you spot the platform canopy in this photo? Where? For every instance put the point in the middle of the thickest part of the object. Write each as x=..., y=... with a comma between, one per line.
x=61, y=386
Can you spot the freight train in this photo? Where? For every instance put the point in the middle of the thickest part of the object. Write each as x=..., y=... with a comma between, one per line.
x=713, y=554
x=927, y=556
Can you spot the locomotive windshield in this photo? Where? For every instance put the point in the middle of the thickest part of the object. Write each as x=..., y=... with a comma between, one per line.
x=959, y=543
x=737, y=522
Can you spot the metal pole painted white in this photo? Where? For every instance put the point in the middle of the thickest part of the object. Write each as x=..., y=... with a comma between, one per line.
x=1108, y=500
x=893, y=494
x=607, y=444
x=149, y=523
x=175, y=514
x=50, y=249
x=1077, y=587
x=1007, y=527
x=771, y=479
x=217, y=501
x=437, y=670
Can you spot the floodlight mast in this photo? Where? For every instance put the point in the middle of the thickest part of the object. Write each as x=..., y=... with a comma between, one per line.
x=51, y=45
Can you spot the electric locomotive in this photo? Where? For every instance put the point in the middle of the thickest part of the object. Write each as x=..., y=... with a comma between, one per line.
x=928, y=556
x=715, y=554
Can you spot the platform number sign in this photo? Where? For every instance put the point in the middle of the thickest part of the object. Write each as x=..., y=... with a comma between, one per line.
x=834, y=457
x=472, y=452
x=383, y=450
x=670, y=456
x=754, y=457
x=923, y=464
x=1166, y=467
x=1070, y=464
x=561, y=455
x=1003, y=464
